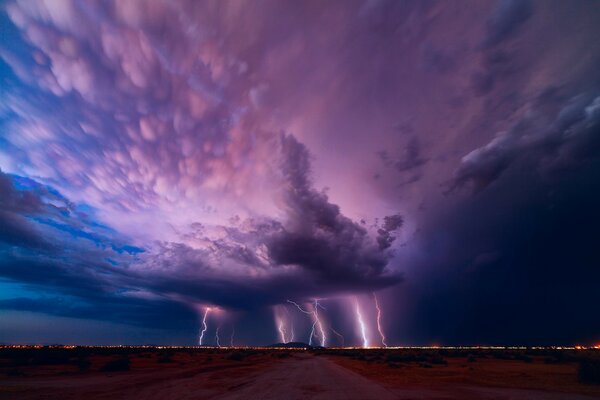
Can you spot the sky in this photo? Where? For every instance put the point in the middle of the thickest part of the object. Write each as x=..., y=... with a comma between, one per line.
x=344, y=173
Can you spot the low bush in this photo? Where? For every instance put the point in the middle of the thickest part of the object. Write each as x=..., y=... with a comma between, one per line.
x=14, y=372
x=120, y=364
x=237, y=356
x=83, y=364
x=589, y=371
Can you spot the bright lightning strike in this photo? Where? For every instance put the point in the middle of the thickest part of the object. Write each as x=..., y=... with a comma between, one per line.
x=379, y=321
x=361, y=324
x=204, y=326
x=217, y=337
x=281, y=329
x=317, y=324
x=312, y=333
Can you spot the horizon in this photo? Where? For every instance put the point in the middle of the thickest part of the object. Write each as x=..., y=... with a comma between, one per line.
x=281, y=346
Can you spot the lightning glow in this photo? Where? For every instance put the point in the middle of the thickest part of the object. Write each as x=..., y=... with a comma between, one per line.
x=338, y=335
x=291, y=323
x=292, y=333
x=204, y=326
x=361, y=324
x=283, y=324
x=312, y=331
x=317, y=323
x=379, y=321
x=281, y=330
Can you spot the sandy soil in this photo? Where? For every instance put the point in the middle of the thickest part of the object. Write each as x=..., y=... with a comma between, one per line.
x=295, y=375
x=483, y=379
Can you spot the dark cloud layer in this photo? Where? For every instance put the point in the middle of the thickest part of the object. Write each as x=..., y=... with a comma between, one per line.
x=321, y=239
x=322, y=251
x=515, y=262
x=506, y=18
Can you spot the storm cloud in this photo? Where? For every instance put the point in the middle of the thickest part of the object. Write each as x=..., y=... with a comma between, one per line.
x=160, y=157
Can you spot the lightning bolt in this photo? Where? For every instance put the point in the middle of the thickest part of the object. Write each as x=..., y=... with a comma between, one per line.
x=338, y=335
x=379, y=321
x=232, y=334
x=204, y=326
x=361, y=324
x=299, y=308
x=217, y=336
x=317, y=324
x=291, y=338
x=281, y=330
x=312, y=331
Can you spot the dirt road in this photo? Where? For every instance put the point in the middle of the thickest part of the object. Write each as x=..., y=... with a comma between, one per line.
x=301, y=376
x=309, y=377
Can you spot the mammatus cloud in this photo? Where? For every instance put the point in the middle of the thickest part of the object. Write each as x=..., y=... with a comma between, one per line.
x=201, y=200
x=315, y=251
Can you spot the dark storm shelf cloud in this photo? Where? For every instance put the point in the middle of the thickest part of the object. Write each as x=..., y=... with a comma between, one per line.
x=568, y=141
x=319, y=238
x=327, y=252
x=515, y=261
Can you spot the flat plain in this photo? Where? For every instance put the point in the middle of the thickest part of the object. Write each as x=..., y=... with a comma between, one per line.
x=220, y=373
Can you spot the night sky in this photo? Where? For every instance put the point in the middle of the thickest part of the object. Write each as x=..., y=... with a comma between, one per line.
x=168, y=162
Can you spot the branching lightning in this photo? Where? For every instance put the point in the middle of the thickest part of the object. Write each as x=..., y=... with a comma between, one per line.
x=361, y=323
x=379, y=321
x=317, y=324
x=204, y=326
x=299, y=308
x=281, y=330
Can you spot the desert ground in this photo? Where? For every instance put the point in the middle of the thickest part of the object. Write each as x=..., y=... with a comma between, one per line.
x=201, y=373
